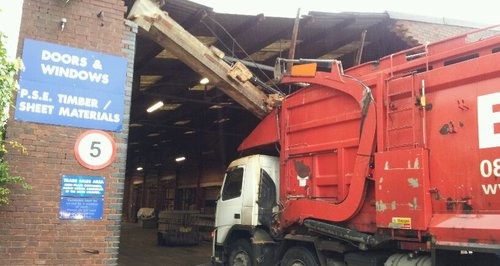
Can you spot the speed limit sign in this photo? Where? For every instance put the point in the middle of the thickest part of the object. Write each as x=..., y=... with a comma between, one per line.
x=95, y=149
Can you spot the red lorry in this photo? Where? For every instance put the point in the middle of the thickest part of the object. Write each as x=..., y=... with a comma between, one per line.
x=393, y=162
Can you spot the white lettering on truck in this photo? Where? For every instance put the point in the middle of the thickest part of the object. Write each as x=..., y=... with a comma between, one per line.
x=488, y=114
x=490, y=189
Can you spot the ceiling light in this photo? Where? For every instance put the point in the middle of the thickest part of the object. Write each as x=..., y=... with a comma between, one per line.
x=155, y=145
x=135, y=125
x=155, y=107
x=216, y=106
x=222, y=120
x=170, y=106
x=157, y=164
x=182, y=122
x=154, y=134
x=139, y=168
x=180, y=159
x=204, y=81
x=190, y=132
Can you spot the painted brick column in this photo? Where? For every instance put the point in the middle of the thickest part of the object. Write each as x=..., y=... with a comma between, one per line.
x=31, y=232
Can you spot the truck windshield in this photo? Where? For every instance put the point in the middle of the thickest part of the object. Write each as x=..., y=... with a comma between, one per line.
x=232, y=185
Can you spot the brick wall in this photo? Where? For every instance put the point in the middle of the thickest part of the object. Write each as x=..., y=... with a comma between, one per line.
x=30, y=231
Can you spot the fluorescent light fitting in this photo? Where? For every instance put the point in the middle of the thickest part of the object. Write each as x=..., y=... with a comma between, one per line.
x=220, y=121
x=154, y=134
x=136, y=125
x=216, y=106
x=155, y=107
x=204, y=81
x=189, y=132
x=170, y=106
x=182, y=122
x=139, y=168
x=180, y=159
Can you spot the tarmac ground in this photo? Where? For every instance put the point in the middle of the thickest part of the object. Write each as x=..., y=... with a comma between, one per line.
x=138, y=247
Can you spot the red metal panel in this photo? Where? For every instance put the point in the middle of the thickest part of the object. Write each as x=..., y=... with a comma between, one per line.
x=323, y=122
x=452, y=194
x=462, y=173
x=466, y=229
x=264, y=134
x=404, y=114
x=322, y=125
x=300, y=172
x=402, y=189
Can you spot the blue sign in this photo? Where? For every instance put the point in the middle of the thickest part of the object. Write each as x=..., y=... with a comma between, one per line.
x=66, y=86
x=83, y=186
x=81, y=209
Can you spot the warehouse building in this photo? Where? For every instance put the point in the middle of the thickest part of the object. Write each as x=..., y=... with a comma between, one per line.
x=91, y=70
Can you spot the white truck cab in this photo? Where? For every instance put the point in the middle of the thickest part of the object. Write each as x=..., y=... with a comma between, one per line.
x=248, y=198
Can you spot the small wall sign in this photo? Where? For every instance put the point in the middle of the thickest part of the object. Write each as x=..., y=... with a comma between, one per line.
x=95, y=149
x=82, y=197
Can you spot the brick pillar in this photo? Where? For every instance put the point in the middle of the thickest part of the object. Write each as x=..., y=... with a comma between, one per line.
x=30, y=229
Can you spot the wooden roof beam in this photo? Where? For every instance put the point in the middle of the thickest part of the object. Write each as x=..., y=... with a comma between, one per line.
x=169, y=34
x=189, y=23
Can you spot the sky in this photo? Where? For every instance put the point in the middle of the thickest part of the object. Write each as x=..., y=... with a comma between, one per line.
x=484, y=12
x=10, y=19
x=478, y=11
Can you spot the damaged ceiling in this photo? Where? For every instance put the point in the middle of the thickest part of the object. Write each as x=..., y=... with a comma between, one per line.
x=200, y=122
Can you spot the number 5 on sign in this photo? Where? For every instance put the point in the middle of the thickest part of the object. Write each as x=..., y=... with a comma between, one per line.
x=95, y=149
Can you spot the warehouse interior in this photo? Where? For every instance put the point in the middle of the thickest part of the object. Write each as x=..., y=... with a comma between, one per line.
x=177, y=154
x=198, y=121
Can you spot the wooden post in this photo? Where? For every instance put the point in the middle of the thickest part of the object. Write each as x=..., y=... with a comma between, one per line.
x=293, y=43
x=359, y=54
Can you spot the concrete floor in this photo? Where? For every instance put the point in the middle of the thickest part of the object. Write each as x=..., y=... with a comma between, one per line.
x=138, y=247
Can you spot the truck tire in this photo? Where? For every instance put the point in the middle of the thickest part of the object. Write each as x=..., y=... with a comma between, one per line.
x=299, y=256
x=241, y=253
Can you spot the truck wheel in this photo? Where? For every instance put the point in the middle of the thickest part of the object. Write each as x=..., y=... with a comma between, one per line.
x=241, y=253
x=299, y=256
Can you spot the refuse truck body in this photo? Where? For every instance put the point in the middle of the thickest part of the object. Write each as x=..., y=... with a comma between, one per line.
x=392, y=162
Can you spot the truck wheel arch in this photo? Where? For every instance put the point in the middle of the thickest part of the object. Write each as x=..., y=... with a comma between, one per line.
x=237, y=232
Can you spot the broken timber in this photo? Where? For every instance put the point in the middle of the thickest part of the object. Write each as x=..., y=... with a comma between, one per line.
x=206, y=61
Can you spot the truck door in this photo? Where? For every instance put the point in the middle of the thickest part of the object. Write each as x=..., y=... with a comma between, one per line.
x=230, y=203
